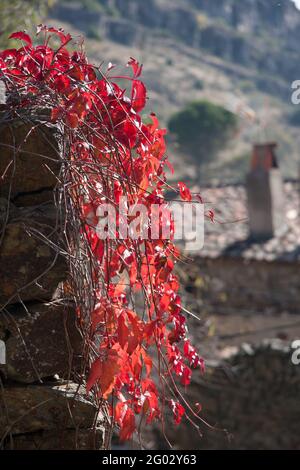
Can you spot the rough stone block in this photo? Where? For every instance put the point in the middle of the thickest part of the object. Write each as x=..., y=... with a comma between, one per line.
x=30, y=409
x=29, y=266
x=84, y=439
x=29, y=162
x=40, y=341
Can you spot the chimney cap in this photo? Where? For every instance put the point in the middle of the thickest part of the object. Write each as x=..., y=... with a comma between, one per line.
x=266, y=145
x=264, y=156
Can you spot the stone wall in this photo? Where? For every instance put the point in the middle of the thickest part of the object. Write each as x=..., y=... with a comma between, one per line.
x=42, y=405
x=250, y=401
x=250, y=391
x=235, y=285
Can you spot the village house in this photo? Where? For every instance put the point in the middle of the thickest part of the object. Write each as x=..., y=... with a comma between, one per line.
x=251, y=255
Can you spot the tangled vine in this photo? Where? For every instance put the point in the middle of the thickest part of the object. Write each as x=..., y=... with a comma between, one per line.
x=126, y=292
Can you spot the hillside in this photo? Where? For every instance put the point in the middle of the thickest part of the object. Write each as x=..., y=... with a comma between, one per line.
x=243, y=55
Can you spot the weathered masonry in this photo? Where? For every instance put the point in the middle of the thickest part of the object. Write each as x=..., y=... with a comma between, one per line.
x=42, y=402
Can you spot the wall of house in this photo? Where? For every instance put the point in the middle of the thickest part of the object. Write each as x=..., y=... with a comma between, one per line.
x=234, y=285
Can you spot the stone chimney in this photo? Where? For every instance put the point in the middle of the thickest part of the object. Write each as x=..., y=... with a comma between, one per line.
x=265, y=194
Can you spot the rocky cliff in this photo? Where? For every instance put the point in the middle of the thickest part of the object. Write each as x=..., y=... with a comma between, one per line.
x=263, y=34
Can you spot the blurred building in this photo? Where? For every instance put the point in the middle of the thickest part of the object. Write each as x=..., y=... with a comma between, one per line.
x=251, y=255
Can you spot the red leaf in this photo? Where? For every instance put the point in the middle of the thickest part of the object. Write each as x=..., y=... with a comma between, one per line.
x=77, y=73
x=117, y=191
x=184, y=192
x=136, y=67
x=95, y=374
x=178, y=411
x=211, y=216
x=155, y=122
x=127, y=426
x=186, y=376
x=199, y=199
x=122, y=331
x=99, y=250
x=149, y=330
x=64, y=38
x=22, y=37
x=120, y=410
x=8, y=54
x=133, y=274
x=62, y=83
x=72, y=120
x=147, y=361
x=138, y=95
x=80, y=103
x=105, y=372
x=164, y=302
x=56, y=114
x=128, y=133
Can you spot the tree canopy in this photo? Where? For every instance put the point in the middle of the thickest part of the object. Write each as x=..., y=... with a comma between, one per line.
x=202, y=128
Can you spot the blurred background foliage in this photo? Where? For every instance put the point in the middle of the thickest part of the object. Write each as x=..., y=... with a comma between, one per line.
x=203, y=128
x=19, y=15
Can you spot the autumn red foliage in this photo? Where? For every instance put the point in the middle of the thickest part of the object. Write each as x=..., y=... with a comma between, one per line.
x=140, y=350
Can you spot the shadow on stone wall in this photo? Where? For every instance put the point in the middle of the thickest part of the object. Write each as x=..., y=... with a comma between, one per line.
x=253, y=395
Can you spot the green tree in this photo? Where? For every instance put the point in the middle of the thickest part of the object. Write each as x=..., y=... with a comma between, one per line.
x=202, y=129
x=19, y=15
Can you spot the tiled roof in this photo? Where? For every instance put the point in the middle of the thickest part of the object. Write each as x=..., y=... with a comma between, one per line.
x=229, y=235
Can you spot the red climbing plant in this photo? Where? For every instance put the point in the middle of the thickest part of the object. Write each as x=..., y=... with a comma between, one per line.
x=130, y=310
